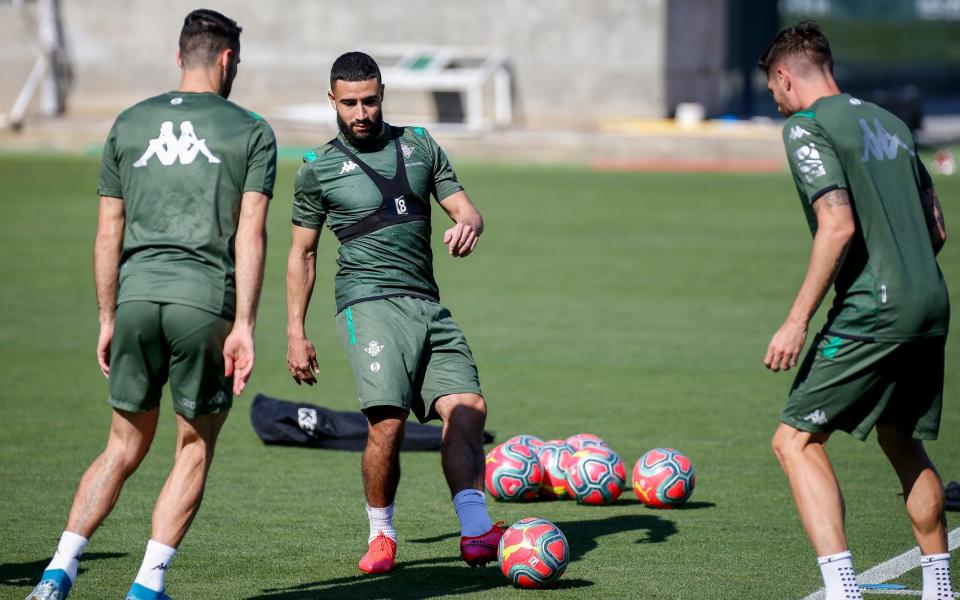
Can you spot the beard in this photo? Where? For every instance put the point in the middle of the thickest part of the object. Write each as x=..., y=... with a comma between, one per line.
x=364, y=139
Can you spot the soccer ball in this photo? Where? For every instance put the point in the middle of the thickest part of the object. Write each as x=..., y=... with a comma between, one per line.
x=533, y=552
x=595, y=475
x=585, y=440
x=527, y=440
x=513, y=472
x=553, y=456
x=663, y=478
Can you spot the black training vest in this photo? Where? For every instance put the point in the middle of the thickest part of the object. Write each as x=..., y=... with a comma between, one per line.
x=400, y=204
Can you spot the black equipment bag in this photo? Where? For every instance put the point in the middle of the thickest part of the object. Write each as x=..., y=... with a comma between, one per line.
x=280, y=422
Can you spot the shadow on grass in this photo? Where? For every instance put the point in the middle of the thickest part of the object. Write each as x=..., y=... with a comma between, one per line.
x=430, y=578
x=415, y=579
x=28, y=573
x=684, y=506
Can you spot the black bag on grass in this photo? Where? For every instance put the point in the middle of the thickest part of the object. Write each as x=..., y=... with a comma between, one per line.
x=280, y=422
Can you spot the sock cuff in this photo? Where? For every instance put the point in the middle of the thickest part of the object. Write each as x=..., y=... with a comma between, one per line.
x=834, y=557
x=156, y=546
x=932, y=558
x=385, y=512
x=73, y=538
x=469, y=495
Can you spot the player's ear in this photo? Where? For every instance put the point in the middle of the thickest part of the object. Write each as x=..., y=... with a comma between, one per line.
x=179, y=60
x=333, y=99
x=783, y=78
x=383, y=88
x=224, y=58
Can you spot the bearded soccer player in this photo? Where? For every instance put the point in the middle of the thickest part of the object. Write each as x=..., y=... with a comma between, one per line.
x=372, y=186
x=878, y=363
x=178, y=264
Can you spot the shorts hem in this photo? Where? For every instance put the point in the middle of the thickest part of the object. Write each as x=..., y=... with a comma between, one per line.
x=805, y=426
x=193, y=414
x=451, y=391
x=130, y=406
x=368, y=404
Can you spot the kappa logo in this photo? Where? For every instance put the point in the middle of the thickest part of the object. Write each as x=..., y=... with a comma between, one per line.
x=809, y=162
x=348, y=166
x=307, y=419
x=798, y=132
x=880, y=143
x=407, y=150
x=374, y=348
x=375, y=367
x=817, y=417
x=168, y=148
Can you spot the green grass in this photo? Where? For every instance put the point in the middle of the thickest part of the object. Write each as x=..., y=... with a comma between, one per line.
x=634, y=306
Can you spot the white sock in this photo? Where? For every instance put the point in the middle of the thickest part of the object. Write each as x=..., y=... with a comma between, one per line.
x=936, y=576
x=67, y=556
x=381, y=520
x=839, y=578
x=153, y=569
x=471, y=507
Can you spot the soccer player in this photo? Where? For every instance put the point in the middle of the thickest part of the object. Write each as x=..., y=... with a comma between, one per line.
x=878, y=363
x=178, y=264
x=372, y=186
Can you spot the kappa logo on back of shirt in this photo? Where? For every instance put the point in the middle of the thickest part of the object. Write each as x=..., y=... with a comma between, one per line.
x=348, y=166
x=168, y=148
x=798, y=132
x=880, y=143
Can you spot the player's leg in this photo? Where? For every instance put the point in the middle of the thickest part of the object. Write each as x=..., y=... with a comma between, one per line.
x=384, y=342
x=912, y=415
x=814, y=486
x=137, y=375
x=202, y=399
x=451, y=383
x=127, y=444
x=380, y=466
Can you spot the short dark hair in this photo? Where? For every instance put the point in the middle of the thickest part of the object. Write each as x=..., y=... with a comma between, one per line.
x=204, y=35
x=354, y=66
x=805, y=40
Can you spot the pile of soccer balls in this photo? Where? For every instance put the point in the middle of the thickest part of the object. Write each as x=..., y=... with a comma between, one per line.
x=533, y=551
x=585, y=468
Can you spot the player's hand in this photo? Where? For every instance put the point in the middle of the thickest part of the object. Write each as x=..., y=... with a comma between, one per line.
x=302, y=360
x=103, y=347
x=461, y=239
x=785, y=346
x=238, y=357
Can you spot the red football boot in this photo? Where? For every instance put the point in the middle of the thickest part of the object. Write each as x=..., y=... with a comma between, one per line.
x=478, y=550
x=381, y=556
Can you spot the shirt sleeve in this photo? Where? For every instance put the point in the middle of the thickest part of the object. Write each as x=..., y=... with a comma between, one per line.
x=261, y=160
x=308, y=209
x=813, y=159
x=110, y=184
x=445, y=182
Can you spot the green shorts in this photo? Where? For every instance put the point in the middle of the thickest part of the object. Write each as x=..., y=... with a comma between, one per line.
x=851, y=385
x=406, y=352
x=154, y=342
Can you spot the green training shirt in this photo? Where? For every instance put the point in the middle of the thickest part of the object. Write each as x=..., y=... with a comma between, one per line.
x=889, y=287
x=396, y=260
x=181, y=162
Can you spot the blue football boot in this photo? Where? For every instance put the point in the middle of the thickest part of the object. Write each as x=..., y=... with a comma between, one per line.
x=138, y=592
x=54, y=584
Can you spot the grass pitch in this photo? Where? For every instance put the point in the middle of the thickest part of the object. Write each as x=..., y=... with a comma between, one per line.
x=634, y=306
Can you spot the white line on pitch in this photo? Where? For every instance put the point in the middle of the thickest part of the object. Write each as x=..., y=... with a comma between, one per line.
x=893, y=568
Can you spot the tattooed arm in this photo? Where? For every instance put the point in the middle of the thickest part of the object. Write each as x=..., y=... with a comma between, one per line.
x=835, y=229
x=934, y=215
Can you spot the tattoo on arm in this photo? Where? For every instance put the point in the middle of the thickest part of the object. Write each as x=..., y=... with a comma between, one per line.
x=833, y=198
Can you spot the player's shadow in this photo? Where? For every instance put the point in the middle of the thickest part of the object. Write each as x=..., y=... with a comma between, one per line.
x=582, y=535
x=28, y=573
x=426, y=578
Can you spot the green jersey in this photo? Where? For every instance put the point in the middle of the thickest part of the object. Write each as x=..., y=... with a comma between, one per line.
x=330, y=187
x=889, y=287
x=181, y=163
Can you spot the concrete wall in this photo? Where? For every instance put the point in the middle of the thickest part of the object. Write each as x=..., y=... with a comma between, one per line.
x=576, y=61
